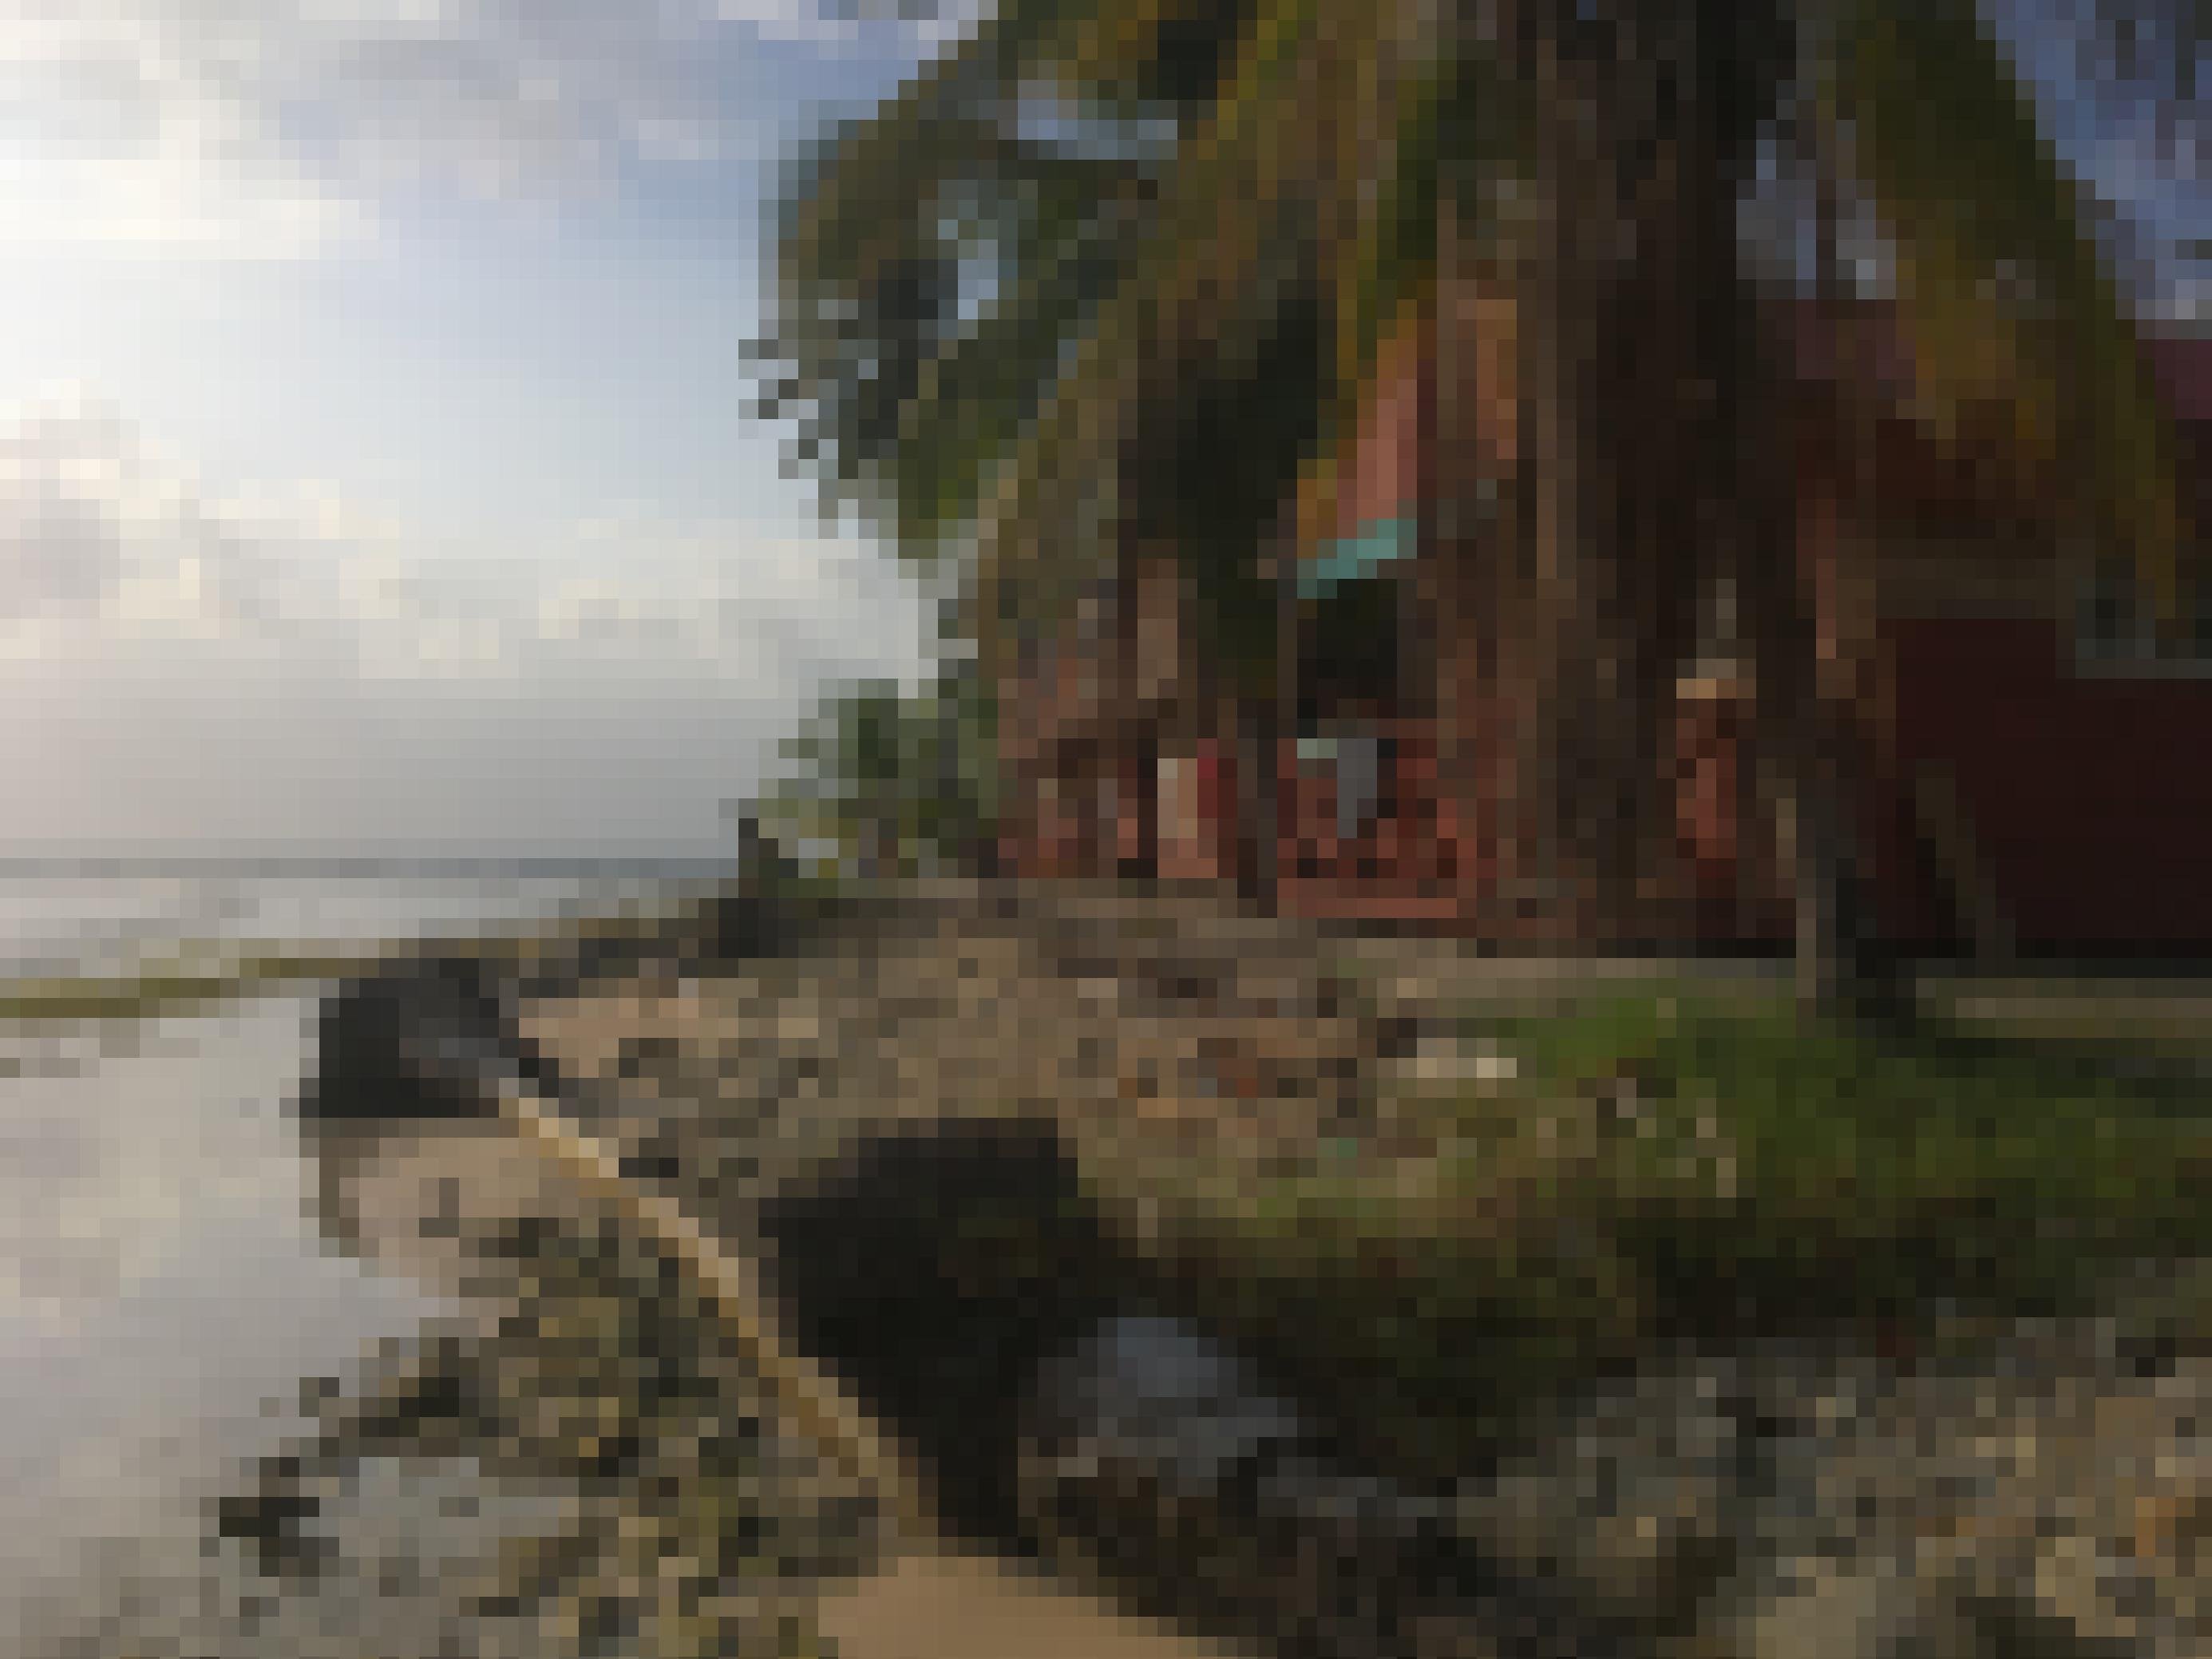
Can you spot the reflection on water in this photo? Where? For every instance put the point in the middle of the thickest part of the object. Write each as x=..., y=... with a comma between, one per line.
x=163, y=1285
x=162, y=1290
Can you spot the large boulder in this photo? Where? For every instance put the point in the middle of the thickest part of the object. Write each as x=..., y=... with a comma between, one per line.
x=937, y=1270
x=428, y=1039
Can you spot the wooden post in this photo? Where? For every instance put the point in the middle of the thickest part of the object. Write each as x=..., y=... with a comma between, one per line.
x=1286, y=551
x=1977, y=907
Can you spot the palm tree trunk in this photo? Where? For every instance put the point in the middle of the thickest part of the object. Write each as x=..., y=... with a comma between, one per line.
x=1614, y=287
x=1842, y=969
x=1807, y=738
x=1845, y=965
x=1657, y=454
x=1839, y=967
x=1536, y=569
x=1258, y=790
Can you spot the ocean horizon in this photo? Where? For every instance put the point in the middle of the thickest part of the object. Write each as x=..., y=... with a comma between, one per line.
x=361, y=864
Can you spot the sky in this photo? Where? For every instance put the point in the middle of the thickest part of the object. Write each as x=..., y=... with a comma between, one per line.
x=374, y=469
x=376, y=474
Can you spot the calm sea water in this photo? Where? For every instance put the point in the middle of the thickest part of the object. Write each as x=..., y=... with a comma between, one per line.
x=162, y=1288
x=63, y=920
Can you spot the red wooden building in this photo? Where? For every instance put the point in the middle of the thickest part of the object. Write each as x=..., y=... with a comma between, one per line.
x=2042, y=762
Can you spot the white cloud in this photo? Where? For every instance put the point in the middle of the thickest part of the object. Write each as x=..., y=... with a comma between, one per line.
x=72, y=491
x=105, y=536
x=169, y=205
x=772, y=612
x=2189, y=300
x=107, y=543
x=809, y=23
x=255, y=127
x=188, y=662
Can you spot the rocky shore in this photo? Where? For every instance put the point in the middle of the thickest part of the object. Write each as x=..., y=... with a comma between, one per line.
x=2034, y=1486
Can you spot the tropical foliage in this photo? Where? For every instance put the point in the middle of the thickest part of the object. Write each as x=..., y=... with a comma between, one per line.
x=889, y=782
x=1109, y=275
x=1069, y=207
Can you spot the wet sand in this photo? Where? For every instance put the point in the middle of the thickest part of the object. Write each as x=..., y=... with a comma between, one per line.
x=945, y=1605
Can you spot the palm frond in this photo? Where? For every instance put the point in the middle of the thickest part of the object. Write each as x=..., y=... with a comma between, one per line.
x=1211, y=232
x=1319, y=164
x=974, y=398
x=2009, y=303
x=905, y=398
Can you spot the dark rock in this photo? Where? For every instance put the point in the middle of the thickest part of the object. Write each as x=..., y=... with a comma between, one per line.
x=959, y=1281
x=1159, y=1465
x=427, y=1039
x=936, y=1272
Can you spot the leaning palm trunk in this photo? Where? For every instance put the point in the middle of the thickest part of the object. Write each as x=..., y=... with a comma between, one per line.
x=1808, y=750
x=1841, y=968
x=1811, y=742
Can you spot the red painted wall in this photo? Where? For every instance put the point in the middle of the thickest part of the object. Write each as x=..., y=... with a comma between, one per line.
x=2091, y=798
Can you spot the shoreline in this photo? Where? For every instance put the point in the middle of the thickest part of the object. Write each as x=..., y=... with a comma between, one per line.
x=186, y=977
x=1159, y=1055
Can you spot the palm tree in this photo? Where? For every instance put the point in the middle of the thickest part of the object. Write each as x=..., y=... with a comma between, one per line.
x=1005, y=299
x=894, y=779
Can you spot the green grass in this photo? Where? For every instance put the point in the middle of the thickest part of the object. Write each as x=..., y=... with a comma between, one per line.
x=1882, y=1169
x=1773, y=1174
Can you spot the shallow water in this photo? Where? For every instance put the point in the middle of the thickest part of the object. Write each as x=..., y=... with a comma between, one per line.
x=164, y=1287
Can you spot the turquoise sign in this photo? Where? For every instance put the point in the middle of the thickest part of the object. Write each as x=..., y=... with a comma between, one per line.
x=1351, y=557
